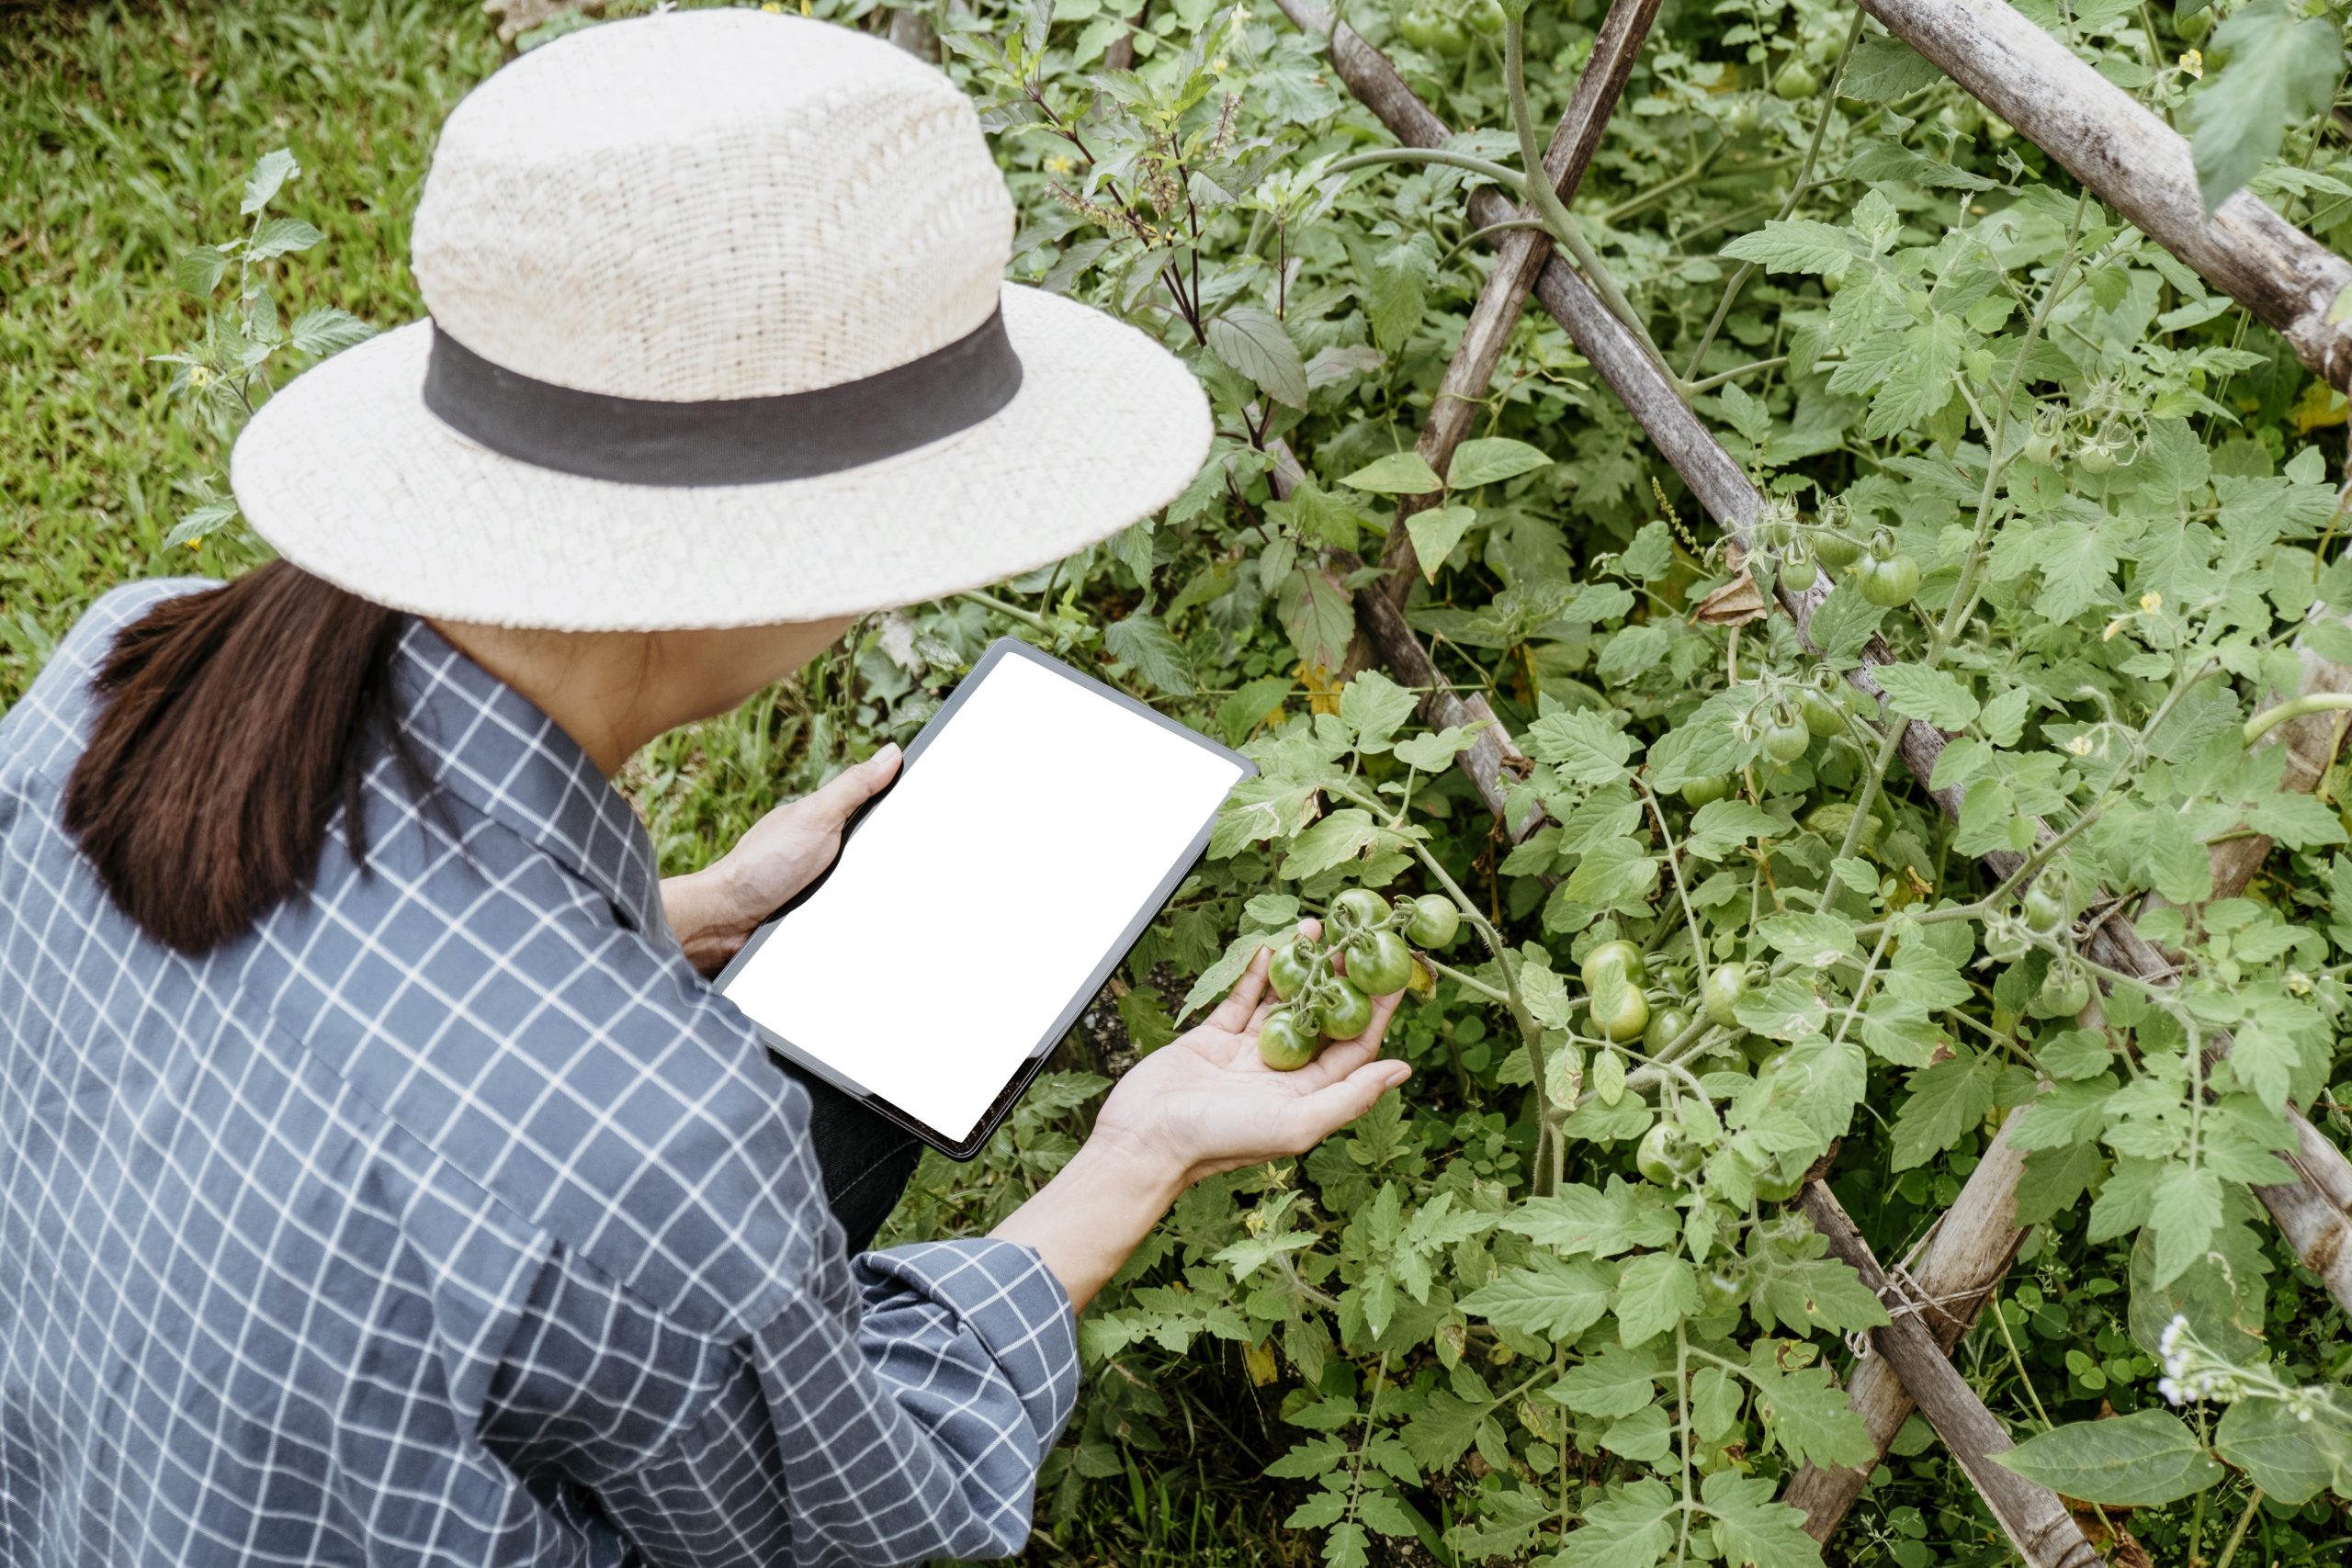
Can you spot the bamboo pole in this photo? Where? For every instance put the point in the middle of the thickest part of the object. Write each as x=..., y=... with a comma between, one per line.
x=1518, y=258
x=2035, y=1520
x=2137, y=165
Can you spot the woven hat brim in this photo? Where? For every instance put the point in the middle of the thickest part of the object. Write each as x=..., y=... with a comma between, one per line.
x=348, y=475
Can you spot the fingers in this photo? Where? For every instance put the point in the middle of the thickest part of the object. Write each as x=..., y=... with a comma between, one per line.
x=1310, y=927
x=1238, y=1013
x=1313, y=1118
x=853, y=787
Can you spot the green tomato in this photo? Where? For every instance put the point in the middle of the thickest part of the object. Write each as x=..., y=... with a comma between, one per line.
x=1666, y=1153
x=1359, y=910
x=1486, y=18
x=1379, y=964
x=1620, y=954
x=1627, y=1019
x=1290, y=971
x=2046, y=907
x=1795, y=83
x=1777, y=1185
x=2041, y=448
x=1347, y=1012
x=1723, y=1286
x=1821, y=714
x=2004, y=944
x=1720, y=992
x=1666, y=1026
x=1434, y=922
x=1282, y=1043
x=2095, y=455
x=2065, y=990
x=1786, y=736
x=1836, y=550
x=1437, y=34
x=1891, y=582
x=1706, y=791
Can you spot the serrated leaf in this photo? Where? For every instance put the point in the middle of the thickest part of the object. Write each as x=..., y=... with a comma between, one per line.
x=1654, y=1291
x=1333, y=841
x=1946, y=1099
x=271, y=171
x=1492, y=459
x=1813, y=1294
x=199, y=270
x=325, y=329
x=1553, y=1298
x=200, y=523
x=1616, y=1381
x=2289, y=1457
x=1580, y=1219
x=1318, y=616
x=1373, y=706
x=1813, y=1419
x=1795, y=244
x=1149, y=648
x=2281, y=70
x=1753, y=1530
x=1813, y=941
x=1628, y=1528
x=281, y=236
x=1585, y=747
x=1253, y=341
x=1935, y=696
x=2144, y=1459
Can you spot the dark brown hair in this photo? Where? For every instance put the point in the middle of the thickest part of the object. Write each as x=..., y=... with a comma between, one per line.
x=235, y=720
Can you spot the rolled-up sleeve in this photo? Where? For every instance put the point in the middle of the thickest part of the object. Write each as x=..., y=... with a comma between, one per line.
x=897, y=1409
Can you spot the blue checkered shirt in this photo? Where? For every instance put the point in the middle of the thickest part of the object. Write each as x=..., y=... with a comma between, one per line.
x=448, y=1216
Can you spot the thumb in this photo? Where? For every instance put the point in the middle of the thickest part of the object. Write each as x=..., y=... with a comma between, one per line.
x=853, y=787
x=1318, y=1115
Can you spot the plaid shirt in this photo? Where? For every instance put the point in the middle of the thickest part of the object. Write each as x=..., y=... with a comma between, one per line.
x=447, y=1217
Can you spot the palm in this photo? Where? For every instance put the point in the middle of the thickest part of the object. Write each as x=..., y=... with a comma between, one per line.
x=1207, y=1099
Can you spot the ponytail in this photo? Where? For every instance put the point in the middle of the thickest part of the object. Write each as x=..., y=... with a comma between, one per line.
x=234, y=722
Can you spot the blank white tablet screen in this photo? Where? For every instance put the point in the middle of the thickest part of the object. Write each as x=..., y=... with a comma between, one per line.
x=977, y=897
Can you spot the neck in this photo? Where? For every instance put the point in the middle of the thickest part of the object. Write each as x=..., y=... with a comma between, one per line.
x=612, y=691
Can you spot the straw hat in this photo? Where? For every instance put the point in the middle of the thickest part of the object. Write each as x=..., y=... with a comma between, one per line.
x=719, y=336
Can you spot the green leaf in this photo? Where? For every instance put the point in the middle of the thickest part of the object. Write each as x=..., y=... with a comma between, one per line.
x=1435, y=532
x=1919, y=381
x=199, y=270
x=1397, y=290
x=281, y=236
x=2184, y=1215
x=1654, y=1291
x=1584, y=746
x=1882, y=69
x=1399, y=473
x=1335, y=840
x=271, y=171
x=1813, y=1419
x=325, y=329
x=1946, y=1099
x=1721, y=826
x=2144, y=1459
x=2291, y=1459
x=1643, y=1437
x=1580, y=1219
x=200, y=523
x=1935, y=696
x=1147, y=647
x=1751, y=1528
x=2281, y=70
x=1252, y=705
x=1552, y=1298
x=1815, y=1292
x=1254, y=342
x=1813, y=941
x=1374, y=706
x=1434, y=750
x=1618, y=874
x=1318, y=617
x=1628, y=1528
x=1489, y=459
x=1788, y=1008
x=1616, y=1381
x=1795, y=244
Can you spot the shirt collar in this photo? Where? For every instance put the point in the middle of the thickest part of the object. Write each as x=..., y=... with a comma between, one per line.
x=489, y=745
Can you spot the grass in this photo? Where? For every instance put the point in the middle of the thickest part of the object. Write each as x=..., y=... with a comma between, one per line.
x=130, y=127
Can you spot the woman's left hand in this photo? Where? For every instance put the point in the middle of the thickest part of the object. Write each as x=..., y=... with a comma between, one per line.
x=714, y=909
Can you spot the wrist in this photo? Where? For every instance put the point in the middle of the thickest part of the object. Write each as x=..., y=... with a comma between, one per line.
x=1151, y=1175
x=701, y=908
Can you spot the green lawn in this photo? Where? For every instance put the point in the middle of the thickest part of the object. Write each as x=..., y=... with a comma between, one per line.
x=130, y=129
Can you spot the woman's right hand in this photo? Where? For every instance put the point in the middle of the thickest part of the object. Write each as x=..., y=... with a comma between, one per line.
x=1205, y=1103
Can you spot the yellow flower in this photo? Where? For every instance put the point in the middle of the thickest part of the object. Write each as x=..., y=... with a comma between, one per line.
x=2080, y=745
x=1059, y=164
x=199, y=375
x=196, y=544
x=1217, y=66
x=2193, y=63
x=2152, y=601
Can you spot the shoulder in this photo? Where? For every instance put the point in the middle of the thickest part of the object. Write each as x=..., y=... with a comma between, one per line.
x=495, y=1006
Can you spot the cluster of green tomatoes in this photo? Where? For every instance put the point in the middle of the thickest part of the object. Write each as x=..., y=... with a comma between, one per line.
x=1887, y=576
x=1626, y=1003
x=1328, y=987
x=1435, y=27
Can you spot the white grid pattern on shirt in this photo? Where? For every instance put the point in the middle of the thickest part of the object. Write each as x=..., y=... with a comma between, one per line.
x=447, y=1217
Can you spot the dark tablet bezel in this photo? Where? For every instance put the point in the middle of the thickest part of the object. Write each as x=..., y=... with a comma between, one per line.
x=1001, y=1107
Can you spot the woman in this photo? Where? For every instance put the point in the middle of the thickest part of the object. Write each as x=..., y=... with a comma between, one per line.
x=379, y=1180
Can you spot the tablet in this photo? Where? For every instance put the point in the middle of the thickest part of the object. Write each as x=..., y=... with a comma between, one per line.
x=1037, y=824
